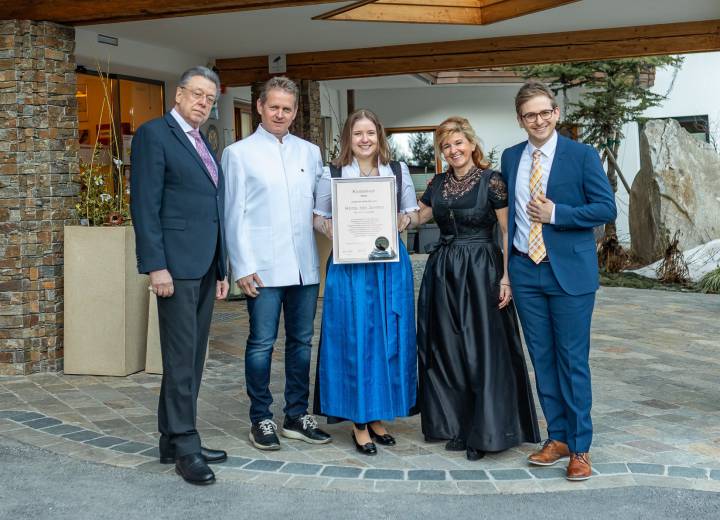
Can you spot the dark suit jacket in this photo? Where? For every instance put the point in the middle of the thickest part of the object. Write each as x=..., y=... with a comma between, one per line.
x=583, y=199
x=177, y=212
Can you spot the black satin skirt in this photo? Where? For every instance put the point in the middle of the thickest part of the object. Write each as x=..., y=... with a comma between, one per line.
x=473, y=380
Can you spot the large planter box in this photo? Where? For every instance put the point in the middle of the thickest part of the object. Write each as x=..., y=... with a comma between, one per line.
x=106, y=302
x=153, y=355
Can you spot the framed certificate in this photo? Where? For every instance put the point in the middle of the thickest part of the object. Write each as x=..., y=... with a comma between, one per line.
x=364, y=220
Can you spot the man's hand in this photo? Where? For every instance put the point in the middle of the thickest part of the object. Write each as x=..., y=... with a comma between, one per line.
x=540, y=209
x=221, y=291
x=248, y=285
x=161, y=283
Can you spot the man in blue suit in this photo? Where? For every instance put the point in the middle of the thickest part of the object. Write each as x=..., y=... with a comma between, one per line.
x=177, y=197
x=558, y=192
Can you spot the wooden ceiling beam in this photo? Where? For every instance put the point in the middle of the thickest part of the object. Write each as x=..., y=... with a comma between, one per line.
x=387, y=12
x=599, y=44
x=465, y=12
x=84, y=12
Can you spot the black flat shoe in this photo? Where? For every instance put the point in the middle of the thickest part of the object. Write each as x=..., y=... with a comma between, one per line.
x=455, y=445
x=385, y=439
x=473, y=454
x=194, y=469
x=211, y=456
x=366, y=449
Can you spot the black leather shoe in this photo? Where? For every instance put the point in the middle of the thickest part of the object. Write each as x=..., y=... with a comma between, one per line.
x=385, y=439
x=366, y=449
x=211, y=456
x=194, y=469
x=473, y=454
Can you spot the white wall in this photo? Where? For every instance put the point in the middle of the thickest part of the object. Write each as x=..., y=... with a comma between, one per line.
x=158, y=63
x=333, y=104
x=135, y=59
x=226, y=110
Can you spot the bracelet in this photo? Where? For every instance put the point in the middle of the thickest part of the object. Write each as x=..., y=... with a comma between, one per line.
x=505, y=284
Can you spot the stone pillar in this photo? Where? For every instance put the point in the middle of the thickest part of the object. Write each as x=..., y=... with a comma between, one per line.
x=308, y=122
x=39, y=185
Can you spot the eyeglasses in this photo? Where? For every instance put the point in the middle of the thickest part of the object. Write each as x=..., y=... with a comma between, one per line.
x=198, y=94
x=531, y=117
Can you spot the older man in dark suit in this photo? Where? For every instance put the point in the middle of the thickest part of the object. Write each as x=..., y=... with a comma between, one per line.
x=177, y=197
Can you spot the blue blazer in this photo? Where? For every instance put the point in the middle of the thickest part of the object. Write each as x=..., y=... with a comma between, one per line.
x=177, y=211
x=583, y=199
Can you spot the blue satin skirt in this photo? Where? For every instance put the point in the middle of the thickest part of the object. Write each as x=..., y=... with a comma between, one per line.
x=367, y=363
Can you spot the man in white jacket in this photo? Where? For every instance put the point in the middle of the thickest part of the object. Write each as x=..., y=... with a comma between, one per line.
x=269, y=198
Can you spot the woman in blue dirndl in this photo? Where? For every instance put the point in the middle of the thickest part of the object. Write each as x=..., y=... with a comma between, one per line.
x=367, y=364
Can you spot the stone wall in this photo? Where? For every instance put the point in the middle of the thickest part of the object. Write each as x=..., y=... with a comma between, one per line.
x=39, y=185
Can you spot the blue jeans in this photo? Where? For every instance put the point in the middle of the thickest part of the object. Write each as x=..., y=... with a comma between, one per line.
x=298, y=303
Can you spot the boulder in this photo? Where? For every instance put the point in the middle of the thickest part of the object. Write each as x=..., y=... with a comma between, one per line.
x=676, y=190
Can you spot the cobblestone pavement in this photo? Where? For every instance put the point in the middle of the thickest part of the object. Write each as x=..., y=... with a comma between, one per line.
x=656, y=368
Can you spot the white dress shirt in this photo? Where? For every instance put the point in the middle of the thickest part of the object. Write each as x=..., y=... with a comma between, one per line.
x=323, y=195
x=186, y=127
x=269, y=199
x=522, y=188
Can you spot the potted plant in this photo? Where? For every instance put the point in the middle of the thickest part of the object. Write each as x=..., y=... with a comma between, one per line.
x=106, y=300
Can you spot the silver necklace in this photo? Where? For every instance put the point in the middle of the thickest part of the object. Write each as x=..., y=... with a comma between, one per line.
x=363, y=174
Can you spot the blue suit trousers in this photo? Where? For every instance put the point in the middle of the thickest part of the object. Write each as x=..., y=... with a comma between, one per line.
x=556, y=327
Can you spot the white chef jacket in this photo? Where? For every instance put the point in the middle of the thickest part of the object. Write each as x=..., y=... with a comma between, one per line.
x=269, y=198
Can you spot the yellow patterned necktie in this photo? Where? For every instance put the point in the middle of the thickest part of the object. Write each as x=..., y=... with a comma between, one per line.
x=536, y=245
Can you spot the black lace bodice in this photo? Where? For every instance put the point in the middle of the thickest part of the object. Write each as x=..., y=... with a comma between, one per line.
x=466, y=208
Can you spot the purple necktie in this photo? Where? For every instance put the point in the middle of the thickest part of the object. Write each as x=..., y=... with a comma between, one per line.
x=205, y=155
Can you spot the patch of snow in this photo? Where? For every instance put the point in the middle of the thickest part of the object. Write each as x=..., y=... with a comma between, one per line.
x=700, y=260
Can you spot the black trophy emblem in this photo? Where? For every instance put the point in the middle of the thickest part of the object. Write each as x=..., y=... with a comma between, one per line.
x=382, y=250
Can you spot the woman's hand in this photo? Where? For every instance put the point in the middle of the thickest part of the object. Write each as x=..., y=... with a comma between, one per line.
x=323, y=225
x=505, y=292
x=404, y=220
x=326, y=228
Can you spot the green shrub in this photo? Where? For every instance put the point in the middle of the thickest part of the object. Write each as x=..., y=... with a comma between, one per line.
x=710, y=283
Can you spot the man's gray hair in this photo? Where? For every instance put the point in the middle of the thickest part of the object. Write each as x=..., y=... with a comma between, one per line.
x=199, y=70
x=282, y=83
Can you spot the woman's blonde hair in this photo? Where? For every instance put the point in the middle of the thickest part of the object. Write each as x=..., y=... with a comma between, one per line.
x=457, y=124
x=346, y=155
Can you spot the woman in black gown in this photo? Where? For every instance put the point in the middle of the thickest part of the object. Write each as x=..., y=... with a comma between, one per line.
x=474, y=386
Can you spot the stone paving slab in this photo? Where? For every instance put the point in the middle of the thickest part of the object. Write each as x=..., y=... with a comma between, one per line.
x=655, y=363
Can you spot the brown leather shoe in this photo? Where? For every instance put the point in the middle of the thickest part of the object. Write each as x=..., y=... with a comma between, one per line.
x=580, y=467
x=551, y=452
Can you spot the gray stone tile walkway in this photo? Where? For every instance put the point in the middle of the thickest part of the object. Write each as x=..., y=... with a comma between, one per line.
x=656, y=369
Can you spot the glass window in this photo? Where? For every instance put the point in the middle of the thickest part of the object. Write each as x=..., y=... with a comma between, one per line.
x=110, y=109
x=414, y=146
